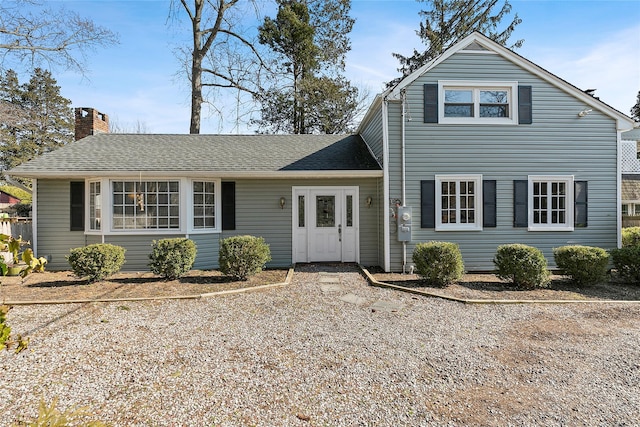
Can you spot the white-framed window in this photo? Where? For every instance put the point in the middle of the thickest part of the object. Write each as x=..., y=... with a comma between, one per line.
x=458, y=202
x=551, y=202
x=631, y=209
x=477, y=102
x=95, y=206
x=145, y=205
x=153, y=206
x=204, y=205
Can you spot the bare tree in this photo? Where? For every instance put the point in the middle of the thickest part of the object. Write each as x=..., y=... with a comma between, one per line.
x=220, y=56
x=39, y=36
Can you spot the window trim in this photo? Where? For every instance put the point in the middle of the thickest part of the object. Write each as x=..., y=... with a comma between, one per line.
x=185, y=207
x=476, y=86
x=100, y=204
x=478, y=205
x=570, y=202
x=218, y=206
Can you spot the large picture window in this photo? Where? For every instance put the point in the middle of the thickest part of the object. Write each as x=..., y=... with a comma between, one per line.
x=144, y=205
x=551, y=202
x=458, y=202
x=477, y=102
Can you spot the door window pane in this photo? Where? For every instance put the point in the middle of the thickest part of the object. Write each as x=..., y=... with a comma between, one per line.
x=325, y=211
x=300, y=211
x=349, y=211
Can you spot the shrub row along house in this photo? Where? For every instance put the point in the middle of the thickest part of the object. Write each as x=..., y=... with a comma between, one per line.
x=479, y=147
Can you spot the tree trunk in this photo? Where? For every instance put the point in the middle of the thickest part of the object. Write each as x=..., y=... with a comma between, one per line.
x=196, y=69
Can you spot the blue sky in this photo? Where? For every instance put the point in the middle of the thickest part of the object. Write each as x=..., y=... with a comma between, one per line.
x=591, y=44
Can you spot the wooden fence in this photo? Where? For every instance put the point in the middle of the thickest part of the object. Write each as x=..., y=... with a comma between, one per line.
x=17, y=227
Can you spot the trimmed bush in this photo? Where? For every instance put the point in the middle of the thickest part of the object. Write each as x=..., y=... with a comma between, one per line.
x=172, y=258
x=439, y=263
x=96, y=261
x=631, y=236
x=243, y=256
x=626, y=261
x=524, y=266
x=585, y=265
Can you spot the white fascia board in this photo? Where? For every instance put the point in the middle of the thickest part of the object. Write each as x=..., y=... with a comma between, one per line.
x=394, y=93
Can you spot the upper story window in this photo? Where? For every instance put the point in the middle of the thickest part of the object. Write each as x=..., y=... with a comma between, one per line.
x=458, y=202
x=473, y=102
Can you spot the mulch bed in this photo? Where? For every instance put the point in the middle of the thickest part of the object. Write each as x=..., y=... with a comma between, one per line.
x=63, y=285
x=488, y=286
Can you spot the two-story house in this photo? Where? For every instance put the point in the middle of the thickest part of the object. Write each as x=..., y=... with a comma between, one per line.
x=480, y=147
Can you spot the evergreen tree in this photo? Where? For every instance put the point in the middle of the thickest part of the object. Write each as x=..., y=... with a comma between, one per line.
x=448, y=21
x=39, y=118
x=635, y=110
x=308, y=94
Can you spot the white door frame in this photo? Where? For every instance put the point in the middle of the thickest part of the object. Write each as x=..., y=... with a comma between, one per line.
x=301, y=236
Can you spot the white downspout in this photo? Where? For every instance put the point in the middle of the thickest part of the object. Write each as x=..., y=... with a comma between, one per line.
x=403, y=95
x=619, y=190
x=34, y=216
x=385, y=183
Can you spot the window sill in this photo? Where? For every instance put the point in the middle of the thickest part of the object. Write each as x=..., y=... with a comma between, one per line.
x=545, y=228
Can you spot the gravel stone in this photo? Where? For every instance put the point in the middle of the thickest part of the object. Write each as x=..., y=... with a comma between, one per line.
x=298, y=356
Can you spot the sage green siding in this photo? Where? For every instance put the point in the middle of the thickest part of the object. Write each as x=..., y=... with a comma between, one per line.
x=258, y=213
x=557, y=143
x=53, y=220
x=208, y=246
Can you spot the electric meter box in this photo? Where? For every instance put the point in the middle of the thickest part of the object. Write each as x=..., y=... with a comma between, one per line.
x=405, y=218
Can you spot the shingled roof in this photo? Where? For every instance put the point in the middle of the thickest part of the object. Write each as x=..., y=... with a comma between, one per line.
x=630, y=187
x=220, y=155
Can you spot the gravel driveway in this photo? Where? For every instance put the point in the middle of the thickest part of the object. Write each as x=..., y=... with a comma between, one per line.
x=327, y=350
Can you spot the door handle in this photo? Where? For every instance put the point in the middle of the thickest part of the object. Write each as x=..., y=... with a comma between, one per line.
x=339, y=232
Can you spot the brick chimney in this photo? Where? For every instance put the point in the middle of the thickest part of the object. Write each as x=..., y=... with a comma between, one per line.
x=90, y=122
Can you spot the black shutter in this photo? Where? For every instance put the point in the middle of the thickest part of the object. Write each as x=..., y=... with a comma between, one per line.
x=580, y=194
x=428, y=204
x=525, y=113
x=228, y=205
x=431, y=103
x=76, y=212
x=520, y=203
x=489, y=203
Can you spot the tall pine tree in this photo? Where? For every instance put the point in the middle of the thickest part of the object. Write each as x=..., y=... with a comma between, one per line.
x=448, y=21
x=36, y=118
x=635, y=110
x=308, y=93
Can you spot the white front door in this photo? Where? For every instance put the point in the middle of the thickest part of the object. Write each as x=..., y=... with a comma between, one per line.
x=325, y=224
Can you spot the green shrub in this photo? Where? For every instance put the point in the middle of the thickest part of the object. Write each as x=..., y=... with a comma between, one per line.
x=172, y=258
x=96, y=261
x=243, y=256
x=439, y=263
x=631, y=236
x=626, y=261
x=585, y=265
x=524, y=266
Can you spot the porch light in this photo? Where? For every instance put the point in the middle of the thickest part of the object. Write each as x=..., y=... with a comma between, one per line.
x=283, y=201
x=369, y=201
